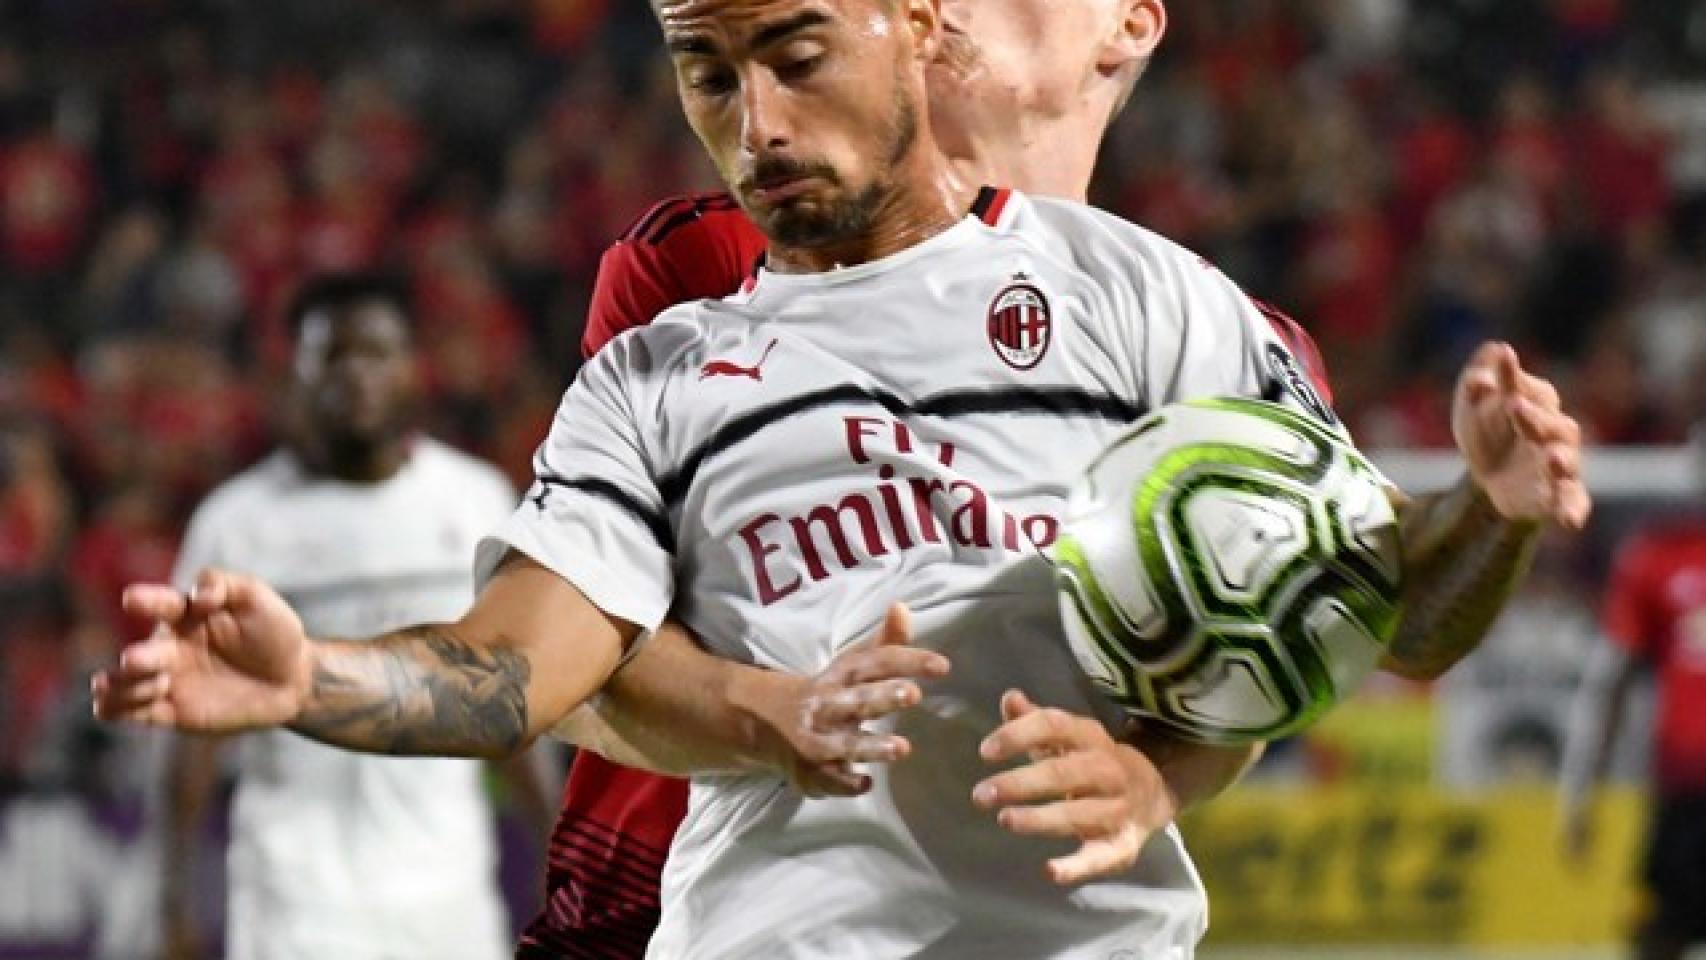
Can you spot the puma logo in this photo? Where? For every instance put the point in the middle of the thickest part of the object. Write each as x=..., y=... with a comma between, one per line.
x=726, y=368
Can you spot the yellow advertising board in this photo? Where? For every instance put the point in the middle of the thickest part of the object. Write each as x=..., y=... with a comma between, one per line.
x=1412, y=864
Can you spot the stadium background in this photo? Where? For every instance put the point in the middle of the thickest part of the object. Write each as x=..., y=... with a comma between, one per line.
x=1407, y=178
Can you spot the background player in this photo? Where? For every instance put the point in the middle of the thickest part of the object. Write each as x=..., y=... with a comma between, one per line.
x=335, y=854
x=1654, y=617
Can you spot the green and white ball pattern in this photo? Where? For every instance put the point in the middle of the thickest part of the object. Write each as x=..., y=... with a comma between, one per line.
x=1229, y=568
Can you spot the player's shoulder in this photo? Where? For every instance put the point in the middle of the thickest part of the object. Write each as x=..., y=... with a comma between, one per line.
x=457, y=465
x=688, y=215
x=681, y=249
x=660, y=346
x=258, y=485
x=1096, y=236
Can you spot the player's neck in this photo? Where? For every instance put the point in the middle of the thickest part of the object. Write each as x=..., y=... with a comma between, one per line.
x=920, y=207
x=364, y=465
x=1048, y=156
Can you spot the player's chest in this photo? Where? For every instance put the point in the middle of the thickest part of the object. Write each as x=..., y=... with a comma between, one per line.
x=1009, y=377
x=308, y=539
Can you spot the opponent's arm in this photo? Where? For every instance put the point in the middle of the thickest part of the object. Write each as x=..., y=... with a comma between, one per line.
x=678, y=710
x=233, y=655
x=1465, y=551
x=1462, y=561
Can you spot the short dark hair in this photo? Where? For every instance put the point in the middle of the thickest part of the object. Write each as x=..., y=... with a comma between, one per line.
x=336, y=291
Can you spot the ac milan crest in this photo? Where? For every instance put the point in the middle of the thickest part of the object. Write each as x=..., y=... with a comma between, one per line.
x=1020, y=324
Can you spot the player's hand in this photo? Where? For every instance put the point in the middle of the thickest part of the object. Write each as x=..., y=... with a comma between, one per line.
x=825, y=726
x=230, y=655
x=1523, y=451
x=1080, y=784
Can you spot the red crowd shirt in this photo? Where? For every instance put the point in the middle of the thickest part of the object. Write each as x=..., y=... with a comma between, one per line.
x=607, y=851
x=1655, y=608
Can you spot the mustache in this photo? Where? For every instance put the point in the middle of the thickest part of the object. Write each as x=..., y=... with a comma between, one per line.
x=774, y=168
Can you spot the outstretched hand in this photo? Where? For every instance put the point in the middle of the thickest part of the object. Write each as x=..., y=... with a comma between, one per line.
x=229, y=655
x=1523, y=451
x=1080, y=784
x=824, y=729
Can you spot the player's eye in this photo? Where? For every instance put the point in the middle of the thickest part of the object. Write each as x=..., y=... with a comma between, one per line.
x=798, y=64
x=710, y=81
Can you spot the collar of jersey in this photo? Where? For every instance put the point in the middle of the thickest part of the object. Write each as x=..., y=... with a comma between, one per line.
x=955, y=236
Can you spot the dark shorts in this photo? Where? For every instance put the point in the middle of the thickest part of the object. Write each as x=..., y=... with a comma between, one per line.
x=1676, y=868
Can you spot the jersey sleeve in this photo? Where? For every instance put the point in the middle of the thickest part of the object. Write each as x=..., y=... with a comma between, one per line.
x=1626, y=613
x=594, y=515
x=683, y=249
x=1203, y=336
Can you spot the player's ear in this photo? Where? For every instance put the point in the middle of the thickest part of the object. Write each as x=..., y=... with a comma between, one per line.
x=924, y=19
x=1135, y=36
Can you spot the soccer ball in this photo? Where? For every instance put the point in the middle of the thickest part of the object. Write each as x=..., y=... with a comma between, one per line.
x=1229, y=568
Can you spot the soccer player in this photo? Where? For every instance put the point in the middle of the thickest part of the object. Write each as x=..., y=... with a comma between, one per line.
x=945, y=492
x=1654, y=617
x=364, y=526
x=1021, y=95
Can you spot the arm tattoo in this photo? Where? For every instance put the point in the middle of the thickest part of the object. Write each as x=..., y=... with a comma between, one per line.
x=418, y=691
x=1462, y=561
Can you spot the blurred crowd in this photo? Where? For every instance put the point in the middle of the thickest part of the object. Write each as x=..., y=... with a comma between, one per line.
x=1406, y=178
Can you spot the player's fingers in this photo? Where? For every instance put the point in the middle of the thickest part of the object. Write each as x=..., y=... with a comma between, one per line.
x=851, y=706
x=1046, y=731
x=1534, y=423
x=833, y=780
x=854, y=746
x=119, y=696
x=886, y=663
x=1575, y=505
x=1088, y=818
x=1014, y=704
x=1540, y=390
x=1068, y=775
x=1563, y=461
x=154, y=601
x=153, y=656
x=897, y=626
x=1508, y=366
x=1097, y=859
x=110, y=707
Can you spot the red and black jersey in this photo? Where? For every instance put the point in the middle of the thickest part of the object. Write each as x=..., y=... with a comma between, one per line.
x=1655, y=608
x=607, y=850
x=690, y=248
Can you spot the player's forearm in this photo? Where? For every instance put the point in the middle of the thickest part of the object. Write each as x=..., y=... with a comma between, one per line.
x=678, y=710
x=423, y=690
x=1195, y=773
x=1462, y=561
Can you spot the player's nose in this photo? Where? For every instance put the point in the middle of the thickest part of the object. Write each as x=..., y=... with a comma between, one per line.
x=764, y=115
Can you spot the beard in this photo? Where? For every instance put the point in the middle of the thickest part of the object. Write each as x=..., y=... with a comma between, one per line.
x=847, y=215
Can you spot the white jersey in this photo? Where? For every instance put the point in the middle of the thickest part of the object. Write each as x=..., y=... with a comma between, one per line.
x=776, y=468
x=337, y=854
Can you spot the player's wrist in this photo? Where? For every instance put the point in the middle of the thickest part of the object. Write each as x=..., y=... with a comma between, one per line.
x=768, y=704
x=1482, y=507
x=299, y=688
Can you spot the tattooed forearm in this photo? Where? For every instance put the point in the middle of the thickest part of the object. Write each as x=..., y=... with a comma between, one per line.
x=1462, y=560
x=418, y=691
